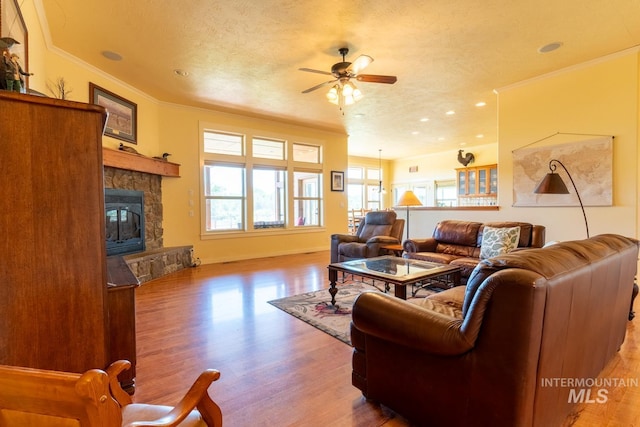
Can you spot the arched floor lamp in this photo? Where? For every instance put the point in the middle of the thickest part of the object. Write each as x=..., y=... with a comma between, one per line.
x=552, y=183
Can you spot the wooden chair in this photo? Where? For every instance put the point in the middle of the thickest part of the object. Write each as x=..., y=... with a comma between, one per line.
x=355, y=218
x=37, y=397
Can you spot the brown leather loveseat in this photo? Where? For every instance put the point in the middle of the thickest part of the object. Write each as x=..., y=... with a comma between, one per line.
x=459, y=242
x=507, y=349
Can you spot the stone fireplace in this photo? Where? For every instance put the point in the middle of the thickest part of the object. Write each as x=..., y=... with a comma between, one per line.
x=135, y=173
x=151, y=186
x=124, y=220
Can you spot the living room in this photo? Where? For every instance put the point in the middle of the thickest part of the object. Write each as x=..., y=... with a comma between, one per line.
x=597, y=97
x=592, y=98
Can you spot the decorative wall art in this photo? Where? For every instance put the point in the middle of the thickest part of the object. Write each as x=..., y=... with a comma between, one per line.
x=590, y=163
x=337, y=181
x=123, y=114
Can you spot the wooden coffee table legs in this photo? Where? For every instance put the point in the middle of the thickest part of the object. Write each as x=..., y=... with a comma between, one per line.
x=400, y=290
x=632, y=313
x=333, y=278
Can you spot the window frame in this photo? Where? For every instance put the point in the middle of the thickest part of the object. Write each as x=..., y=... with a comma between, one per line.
x=249, y=163
x=369, y=177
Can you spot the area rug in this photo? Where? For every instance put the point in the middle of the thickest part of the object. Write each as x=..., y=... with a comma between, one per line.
x=315, y=307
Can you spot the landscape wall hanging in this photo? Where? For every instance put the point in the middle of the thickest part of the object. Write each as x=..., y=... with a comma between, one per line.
x=123, y=114
x=590, y=163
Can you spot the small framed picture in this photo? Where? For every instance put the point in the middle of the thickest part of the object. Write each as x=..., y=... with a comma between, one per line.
x=337, y=181
x=123, y=115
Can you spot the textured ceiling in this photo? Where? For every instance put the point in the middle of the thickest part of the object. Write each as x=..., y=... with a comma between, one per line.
x=245, y=55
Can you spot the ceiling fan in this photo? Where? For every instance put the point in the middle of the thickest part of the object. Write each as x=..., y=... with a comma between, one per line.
x=343, y=91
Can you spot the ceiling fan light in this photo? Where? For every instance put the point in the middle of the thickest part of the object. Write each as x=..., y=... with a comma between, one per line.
x=347, y=90
x=357, y=95
x=349, y=100
x=332, y=95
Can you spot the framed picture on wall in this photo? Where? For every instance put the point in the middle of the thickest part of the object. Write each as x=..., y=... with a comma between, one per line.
x=13, y=36
x=123, y=114
x=337, y=181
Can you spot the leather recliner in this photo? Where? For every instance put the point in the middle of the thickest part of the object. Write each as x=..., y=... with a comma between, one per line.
x=378, y=228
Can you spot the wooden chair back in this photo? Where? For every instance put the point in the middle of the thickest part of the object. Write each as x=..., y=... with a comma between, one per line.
x=37, y=397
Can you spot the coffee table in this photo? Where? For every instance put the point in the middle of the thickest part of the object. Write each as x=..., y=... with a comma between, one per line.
x=394, y=270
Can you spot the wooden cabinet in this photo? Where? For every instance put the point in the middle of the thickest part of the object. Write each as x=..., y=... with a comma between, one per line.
x=54, y=304
x=478, y=184
x=121, y=285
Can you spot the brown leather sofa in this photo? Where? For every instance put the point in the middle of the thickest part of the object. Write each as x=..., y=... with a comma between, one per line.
x=501, y=350
x=378, y=228
x=458, y=242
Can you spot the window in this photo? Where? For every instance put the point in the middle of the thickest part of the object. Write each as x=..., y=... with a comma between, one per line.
x=223, y=143
x=267, y=149
x=446, y=194
x=355, y=196
x=306, y=198
x=224, y=197
x=373, y=197
x=256, y=182
x=269, y=198
x=306, y=153
x=364, y=193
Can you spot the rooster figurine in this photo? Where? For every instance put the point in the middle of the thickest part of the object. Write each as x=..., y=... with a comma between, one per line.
x=468, y=158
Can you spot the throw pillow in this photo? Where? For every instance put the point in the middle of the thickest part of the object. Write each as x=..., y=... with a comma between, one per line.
x=498, y=241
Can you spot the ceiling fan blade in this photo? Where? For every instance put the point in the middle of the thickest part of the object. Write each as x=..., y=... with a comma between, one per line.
x=374, y=78
x=359, y=64
x=311, y=70
x=311, y=89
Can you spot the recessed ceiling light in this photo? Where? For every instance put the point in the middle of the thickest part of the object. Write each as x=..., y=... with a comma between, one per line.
x=112, y=55
x=415, y=132
x=479, y=135
x=181, y=73
x=450, y=113
x=481, y=104
x=549, y=47
x=424, y=119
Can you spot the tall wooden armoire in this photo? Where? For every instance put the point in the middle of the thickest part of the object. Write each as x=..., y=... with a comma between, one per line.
x=53, y=280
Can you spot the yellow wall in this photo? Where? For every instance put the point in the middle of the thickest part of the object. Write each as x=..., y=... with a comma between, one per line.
x=601, y=98
x=164, y=127
x=179, y=135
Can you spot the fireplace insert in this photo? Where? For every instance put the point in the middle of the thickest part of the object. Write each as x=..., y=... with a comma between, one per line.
x=124, y=219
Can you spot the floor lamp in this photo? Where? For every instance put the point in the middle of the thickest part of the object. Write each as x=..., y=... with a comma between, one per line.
x=552, y=183
x=407, y=199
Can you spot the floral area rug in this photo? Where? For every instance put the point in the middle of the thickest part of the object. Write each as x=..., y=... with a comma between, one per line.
x=315, y=307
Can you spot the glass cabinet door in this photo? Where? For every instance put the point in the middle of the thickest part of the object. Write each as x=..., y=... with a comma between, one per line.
x=472, y=181
x=482, y=181
x=462, y=183
x=493, y=180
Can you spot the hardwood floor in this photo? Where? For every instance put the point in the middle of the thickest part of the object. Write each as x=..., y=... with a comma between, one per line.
x=277, y=370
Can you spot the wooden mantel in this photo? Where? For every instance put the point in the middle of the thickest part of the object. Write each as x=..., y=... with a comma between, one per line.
x=137, y=162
